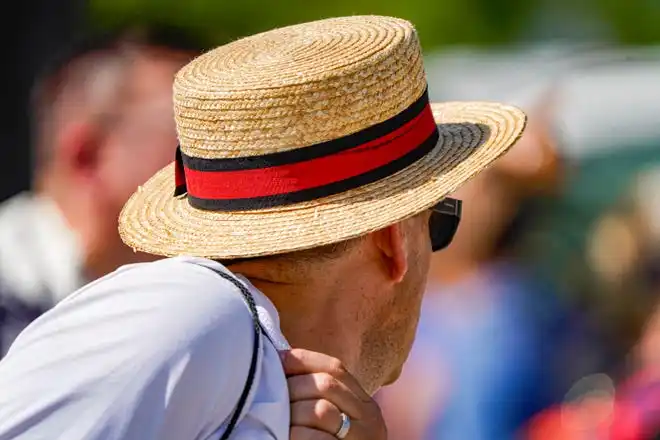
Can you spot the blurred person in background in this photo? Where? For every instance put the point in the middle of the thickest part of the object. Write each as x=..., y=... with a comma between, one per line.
x=479, y=366
x=624, y=403
x=635, y=413
x=106, y=103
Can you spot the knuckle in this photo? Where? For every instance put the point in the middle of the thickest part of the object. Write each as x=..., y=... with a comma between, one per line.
x=336, y=367
x=323, y=409
x=325, y=383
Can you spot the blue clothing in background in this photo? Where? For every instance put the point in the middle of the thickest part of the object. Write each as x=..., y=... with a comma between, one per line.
x=497, y=336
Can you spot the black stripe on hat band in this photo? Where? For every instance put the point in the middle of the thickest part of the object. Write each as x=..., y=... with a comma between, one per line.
x=310, y=152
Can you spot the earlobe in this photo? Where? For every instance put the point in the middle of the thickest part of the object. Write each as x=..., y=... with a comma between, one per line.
x=391, y=243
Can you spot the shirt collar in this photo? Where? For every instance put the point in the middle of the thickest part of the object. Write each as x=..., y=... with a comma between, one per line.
x=270, y=319
x=268, y=316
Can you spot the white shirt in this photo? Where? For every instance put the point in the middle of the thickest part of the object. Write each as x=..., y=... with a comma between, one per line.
x=155, y=351
x=40, y=256
x=40, y=262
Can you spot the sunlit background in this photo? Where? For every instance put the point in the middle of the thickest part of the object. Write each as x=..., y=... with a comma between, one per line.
x=549, y=294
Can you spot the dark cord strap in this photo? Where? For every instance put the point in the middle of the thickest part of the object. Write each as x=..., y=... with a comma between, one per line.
x=249, y=299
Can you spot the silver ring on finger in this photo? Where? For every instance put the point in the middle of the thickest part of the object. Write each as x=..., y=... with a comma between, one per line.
x=344, y=428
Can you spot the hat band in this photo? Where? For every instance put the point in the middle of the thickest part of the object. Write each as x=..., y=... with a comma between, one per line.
x=309, y=173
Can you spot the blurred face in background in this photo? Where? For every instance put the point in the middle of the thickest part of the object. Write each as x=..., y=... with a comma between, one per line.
x=139, y=139
x=491, y=200
x=105, y=127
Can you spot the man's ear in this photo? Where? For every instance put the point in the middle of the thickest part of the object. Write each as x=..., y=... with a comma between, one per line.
x=80, y=149
x=391, y=245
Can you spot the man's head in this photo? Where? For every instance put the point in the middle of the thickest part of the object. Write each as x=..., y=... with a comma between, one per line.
x=366, y=290
x=311, y=135
x=103, y=124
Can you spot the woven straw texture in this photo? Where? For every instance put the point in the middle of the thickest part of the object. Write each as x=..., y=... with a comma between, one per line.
x=295, y=87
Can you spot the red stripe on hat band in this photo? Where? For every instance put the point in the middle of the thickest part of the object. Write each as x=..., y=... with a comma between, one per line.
x=289, y=178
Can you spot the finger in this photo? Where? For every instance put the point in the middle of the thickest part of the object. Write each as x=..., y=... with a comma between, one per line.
x=298, y=361
x=304, y=433
x=324, y=386
x=318, y=414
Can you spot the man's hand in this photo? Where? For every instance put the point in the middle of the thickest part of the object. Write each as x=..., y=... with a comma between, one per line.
x=321, y=390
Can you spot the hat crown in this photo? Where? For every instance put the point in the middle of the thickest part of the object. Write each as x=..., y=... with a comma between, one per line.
x=297, y=86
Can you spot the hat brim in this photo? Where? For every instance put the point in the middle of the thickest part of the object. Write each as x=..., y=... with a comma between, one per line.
x=472, y=136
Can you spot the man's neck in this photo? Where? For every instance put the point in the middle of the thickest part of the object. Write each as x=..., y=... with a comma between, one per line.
x=303, y=322
x=312, y=315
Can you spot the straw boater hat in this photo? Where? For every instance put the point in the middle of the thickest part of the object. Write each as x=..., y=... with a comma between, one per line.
x=309, y=135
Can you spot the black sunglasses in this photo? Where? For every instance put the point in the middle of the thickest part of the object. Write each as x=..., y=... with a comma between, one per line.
x=445, y=217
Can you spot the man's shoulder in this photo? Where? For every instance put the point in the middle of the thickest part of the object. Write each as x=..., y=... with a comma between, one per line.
x=187, y=288
x=152, y=307
x=174, y=278
x=169, y=340
x=175, y=274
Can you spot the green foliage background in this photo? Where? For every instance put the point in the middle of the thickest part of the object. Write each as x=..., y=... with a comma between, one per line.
x=439, y=22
